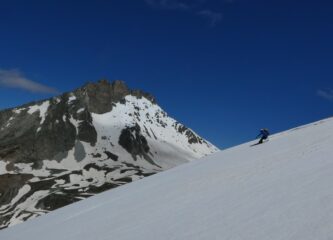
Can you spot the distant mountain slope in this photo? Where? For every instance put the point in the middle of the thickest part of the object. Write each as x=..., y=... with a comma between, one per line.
x=100, y=136
x=281, y=189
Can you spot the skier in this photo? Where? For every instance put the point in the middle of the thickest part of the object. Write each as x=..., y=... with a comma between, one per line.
x=264, y=133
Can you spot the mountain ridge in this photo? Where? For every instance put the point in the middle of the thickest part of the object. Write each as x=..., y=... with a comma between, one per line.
x=84, y=86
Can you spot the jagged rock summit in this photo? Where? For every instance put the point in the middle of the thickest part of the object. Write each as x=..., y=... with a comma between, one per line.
x=99, y=98
x=100, y=136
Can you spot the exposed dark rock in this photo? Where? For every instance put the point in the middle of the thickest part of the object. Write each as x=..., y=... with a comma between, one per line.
x=92, y=165
x=25, y=143
x=96, y=155
x=99, y=97
x=125, y=179
x=60, y=156
x=153, y=134
x=10, y=184
x=56, y=200
x=132, y=140
x=104, y=187
x=56, y=171
x=135, y=143
x=7, y=151
x=192, y=138
x=87, y=133
x=147, y=132
x=130, y=165
x=110, y=155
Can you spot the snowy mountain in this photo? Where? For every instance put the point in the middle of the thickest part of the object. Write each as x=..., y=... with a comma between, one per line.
x=100, y=136
x=281, y=189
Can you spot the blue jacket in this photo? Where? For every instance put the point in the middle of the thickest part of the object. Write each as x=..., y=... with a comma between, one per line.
x=264, y=133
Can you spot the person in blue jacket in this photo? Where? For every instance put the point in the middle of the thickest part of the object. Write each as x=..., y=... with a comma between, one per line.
x=264, y=133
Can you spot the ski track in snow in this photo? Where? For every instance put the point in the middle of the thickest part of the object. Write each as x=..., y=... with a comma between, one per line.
x=280, y=190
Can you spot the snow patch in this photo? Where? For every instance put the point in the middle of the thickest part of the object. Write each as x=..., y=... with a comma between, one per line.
x=24, y=190
x=9, y=121
x=28, y=206
x=2, y=166
x=80, y=110
x=71, y=99
x=18, y=110
x=42, y=110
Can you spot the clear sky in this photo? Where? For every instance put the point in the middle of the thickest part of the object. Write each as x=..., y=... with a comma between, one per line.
x=225, y=68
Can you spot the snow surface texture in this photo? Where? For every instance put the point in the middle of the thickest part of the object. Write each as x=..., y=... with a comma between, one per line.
x=281, y=189
x=89, y=169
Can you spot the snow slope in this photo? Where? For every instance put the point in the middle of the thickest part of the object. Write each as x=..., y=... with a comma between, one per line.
x=282, y=189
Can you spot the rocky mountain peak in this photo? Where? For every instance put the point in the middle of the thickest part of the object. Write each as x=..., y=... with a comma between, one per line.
x=97, y=137
x=100, y=97
x=116, y=87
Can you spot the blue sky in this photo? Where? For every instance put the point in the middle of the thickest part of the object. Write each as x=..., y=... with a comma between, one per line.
x=225, y=68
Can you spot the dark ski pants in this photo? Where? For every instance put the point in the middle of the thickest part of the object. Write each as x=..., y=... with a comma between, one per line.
x=262, y=139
